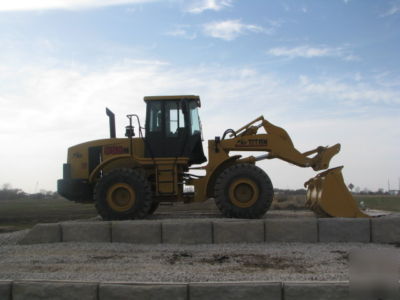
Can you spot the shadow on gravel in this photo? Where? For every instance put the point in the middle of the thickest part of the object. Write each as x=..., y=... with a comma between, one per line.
x=246, y=262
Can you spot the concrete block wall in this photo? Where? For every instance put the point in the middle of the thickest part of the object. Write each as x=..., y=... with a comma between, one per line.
x=5, y=290
x=108, y=291
x=344, y=230
x=249, y=231
x=303, y=230
x=193, y=232
x=43, y=234
x=62, y=290
x=316, y=291
x=235, y=290
x=385, y=230
x=90, y=232
x=139, y=232
x=37, y=290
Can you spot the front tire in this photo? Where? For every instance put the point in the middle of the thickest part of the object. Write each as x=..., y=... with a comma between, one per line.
x=243, y=191
x=123, y=194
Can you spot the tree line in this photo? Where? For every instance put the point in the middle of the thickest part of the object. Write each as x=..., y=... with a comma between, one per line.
x=7, y=192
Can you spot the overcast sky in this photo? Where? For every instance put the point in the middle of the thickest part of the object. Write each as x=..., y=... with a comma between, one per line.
x=326, y=71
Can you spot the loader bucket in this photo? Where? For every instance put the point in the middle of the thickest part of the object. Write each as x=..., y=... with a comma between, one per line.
x=328, y=196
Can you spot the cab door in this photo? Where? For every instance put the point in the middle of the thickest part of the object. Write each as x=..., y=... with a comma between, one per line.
x=166, y=132
x=175, y=130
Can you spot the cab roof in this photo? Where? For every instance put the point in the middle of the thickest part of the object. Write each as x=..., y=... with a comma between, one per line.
x=176, y=97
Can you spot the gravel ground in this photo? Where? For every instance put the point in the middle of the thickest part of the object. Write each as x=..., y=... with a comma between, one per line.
x=12, y=238
x=175, y=263
x=178, y=263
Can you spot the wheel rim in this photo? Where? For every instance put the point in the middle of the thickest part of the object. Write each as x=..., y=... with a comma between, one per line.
x=243, y=192
x=121, y=197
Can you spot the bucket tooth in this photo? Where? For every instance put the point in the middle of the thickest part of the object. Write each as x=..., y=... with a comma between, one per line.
x=327, y=195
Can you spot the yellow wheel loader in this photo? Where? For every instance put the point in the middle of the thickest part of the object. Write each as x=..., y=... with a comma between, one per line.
x=128, y=177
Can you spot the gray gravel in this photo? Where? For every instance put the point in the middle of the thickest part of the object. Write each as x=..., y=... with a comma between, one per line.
x=175, y=263
x=12, y=238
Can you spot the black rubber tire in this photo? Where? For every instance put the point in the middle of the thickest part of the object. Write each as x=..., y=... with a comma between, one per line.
x=154, y=207
x=252, y=172
x=132, y=177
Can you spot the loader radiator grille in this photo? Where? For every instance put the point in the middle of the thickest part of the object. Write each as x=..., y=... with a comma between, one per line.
x=94, y=157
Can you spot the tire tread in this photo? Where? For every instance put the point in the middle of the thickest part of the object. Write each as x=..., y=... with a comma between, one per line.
x=121, y=175
x=222, y=184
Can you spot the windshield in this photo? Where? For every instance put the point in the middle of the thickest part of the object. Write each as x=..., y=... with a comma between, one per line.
x=194, y=119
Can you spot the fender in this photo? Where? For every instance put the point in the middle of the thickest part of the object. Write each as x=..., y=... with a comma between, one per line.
x=125, y=160
x=214, y=175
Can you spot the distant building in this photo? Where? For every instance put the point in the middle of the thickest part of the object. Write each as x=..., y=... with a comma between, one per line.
x=394, y=192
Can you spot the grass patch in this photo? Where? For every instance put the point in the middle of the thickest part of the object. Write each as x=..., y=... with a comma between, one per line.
x=288, y=202
x=25, y=213
x=382, y=202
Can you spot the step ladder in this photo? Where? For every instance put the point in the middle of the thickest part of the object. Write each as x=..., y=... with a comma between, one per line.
x=166, y=179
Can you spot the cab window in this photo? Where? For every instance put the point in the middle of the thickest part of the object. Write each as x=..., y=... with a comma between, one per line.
x=155, y=117
x=194, y=119
x=174, y=119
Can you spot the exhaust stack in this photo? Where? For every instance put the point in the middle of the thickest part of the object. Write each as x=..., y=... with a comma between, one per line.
x=111, y=117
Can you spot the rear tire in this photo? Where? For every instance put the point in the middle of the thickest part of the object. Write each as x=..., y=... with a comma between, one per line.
x=243, y=191
x=123, y=194
x=154, y=207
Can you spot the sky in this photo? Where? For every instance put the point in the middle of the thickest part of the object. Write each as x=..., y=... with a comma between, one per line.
x=326, y=71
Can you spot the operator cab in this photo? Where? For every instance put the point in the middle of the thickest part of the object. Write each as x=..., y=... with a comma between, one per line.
x=173, y=128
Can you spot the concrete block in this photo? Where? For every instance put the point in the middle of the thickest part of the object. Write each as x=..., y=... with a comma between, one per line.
x=43, y=290
x=344, y=230
x=316, y=291
x=42, y=233
x=136, y=232
x=5, y=290
x=192, y=232
x=233, y=290
x=143, y=291
x=303, y=230
x=86, y=232
x=385, y=229
x=250, y=231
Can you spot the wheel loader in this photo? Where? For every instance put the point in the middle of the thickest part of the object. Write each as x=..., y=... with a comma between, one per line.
x=127, y=178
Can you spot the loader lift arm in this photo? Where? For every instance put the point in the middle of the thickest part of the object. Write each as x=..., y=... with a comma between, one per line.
x=277, y=142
